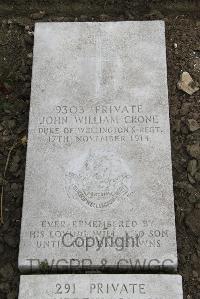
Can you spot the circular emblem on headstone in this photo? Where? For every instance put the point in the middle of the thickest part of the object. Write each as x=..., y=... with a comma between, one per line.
x=98, y=179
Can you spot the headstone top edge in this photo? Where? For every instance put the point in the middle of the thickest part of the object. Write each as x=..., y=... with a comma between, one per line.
x=141, y=275
x=40, y=24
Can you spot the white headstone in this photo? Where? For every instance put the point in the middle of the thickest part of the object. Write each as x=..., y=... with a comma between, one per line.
x=101, y=286
x=98, y=187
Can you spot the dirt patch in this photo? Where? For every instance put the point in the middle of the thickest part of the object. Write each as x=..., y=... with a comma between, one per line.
x=183, y=54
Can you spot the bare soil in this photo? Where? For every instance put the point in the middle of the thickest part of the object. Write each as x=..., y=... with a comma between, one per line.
x=17, y=20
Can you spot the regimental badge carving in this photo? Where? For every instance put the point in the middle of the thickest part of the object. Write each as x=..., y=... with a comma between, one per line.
x=99, y=179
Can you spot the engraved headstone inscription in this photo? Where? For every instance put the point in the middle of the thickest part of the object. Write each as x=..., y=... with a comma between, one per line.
x=98, y=187
x=100, y=286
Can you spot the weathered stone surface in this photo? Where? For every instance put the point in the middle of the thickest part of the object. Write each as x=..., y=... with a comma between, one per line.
x=193, y=125
x=101, y=286
x=187, y=84
x=194, y=150
x=192, y=167
x=98, y=189
x=193, y=221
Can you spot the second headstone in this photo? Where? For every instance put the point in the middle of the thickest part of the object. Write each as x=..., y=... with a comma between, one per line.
x=101, y=286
